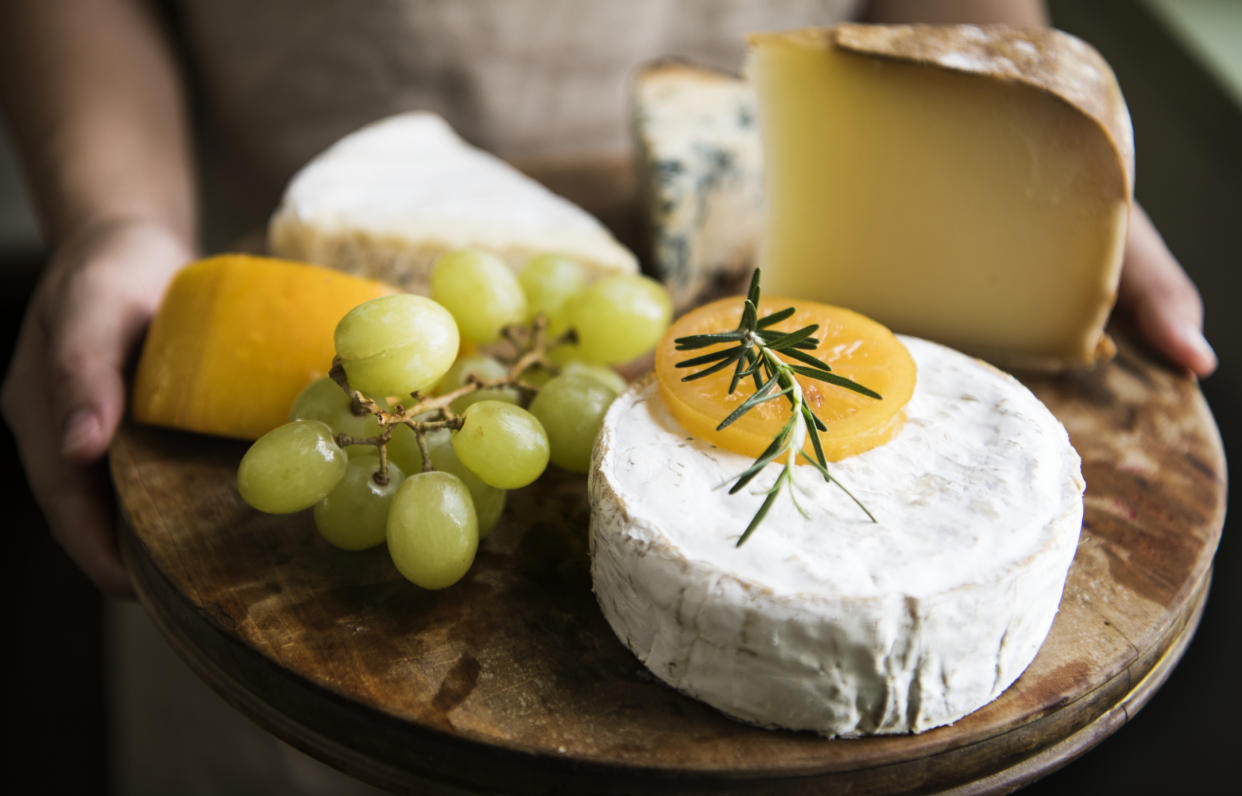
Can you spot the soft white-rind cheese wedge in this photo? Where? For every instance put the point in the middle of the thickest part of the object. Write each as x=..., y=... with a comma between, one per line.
x=700, y=175
x=829, y=622
x=970, y=185
x=388, y=199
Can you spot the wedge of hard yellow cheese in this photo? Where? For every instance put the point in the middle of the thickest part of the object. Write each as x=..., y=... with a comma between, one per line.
x=969, y=185
x=235, y=340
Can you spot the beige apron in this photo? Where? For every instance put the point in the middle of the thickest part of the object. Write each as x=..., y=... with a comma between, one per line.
x=279, y=80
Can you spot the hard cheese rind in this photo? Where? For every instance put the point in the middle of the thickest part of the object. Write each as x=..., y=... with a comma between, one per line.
x=699, y=165
x=970, y=185
x=1044, y=59
x=835, y=624
x=1028, y=303
x=387, y=200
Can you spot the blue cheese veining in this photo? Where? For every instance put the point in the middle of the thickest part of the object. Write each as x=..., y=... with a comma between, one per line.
x=699, y=164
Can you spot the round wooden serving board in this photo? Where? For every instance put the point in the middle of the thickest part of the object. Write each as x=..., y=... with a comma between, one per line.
x=511, y=680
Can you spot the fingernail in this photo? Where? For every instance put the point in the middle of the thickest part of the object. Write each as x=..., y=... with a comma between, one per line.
x=1202, y=349
x=79, y=432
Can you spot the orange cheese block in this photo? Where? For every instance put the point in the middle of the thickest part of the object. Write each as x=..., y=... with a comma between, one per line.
x=236, y=338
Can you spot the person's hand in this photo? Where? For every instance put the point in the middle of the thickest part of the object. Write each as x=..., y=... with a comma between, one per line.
x=64, y=393
x=1163, y=302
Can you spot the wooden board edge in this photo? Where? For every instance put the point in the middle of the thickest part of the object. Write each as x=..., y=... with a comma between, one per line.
x=418, y=757
x=1061, y=754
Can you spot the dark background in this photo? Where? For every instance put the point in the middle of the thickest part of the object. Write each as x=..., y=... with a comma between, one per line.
x=1188, y=133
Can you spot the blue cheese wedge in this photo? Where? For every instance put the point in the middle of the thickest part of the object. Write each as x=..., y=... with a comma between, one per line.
x=829, y=622
x=698, y=161
x=388, y=199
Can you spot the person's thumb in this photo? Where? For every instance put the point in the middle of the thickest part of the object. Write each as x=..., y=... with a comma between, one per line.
x=1162, y=300
x=95, y=322
x=88, y=353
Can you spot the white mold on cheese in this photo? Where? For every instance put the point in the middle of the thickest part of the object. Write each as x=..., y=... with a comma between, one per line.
x=836, y=624
x=391, y=197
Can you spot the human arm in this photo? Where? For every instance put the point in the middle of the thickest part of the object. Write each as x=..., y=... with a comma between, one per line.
x=1154, y=290
x=92, y=95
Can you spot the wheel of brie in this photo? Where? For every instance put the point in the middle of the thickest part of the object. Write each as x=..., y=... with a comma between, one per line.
x=824, y=620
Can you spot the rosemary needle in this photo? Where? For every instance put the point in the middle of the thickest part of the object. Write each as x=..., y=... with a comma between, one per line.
x=757, y=352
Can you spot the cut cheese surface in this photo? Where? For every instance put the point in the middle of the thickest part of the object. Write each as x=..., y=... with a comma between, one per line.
x=827, y=621
x=235, y=340
x=699, y=167
x=969, y=185
x=388, y=199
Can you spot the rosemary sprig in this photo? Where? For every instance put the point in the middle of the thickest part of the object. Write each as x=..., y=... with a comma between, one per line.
x=757, y=352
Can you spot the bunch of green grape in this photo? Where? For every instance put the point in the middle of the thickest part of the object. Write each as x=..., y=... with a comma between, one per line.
x=487, y=426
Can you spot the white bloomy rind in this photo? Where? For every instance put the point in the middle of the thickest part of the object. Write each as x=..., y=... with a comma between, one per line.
x=830, y=622
x=388, y=199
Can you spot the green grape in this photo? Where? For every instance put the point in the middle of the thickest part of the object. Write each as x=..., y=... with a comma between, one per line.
x=486, y=368
x=571, y=409
x=403, y=449
x=539, y=375
x=503, y=444
x=290, y=468
x=320, y=400
x=481, y=365
x=619, y=318
x=394, y=345
x=480, y=291
x=324, y=400
x=433, y=532
x=489, y=502
x=565, y=353
x=600, y=373
x=354, y=515
x=549, y=280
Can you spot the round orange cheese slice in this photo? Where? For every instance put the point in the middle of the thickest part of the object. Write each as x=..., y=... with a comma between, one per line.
x=851, y=344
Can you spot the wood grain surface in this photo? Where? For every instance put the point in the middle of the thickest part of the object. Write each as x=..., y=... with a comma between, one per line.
x=511, y=681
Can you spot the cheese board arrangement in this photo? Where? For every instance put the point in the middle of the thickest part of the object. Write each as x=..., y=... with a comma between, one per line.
x=802, y=553
x=512, y=680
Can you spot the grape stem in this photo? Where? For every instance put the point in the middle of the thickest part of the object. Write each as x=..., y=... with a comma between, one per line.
x=424, y=451
x=381, y=442
x=426, y=414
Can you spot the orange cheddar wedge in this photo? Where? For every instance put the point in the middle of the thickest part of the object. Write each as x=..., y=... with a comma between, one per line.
x=236, y=338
